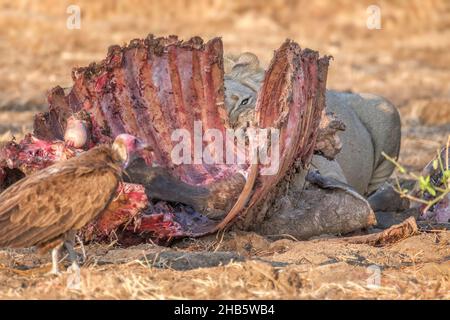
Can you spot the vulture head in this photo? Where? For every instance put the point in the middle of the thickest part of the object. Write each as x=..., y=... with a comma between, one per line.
x=127, y=148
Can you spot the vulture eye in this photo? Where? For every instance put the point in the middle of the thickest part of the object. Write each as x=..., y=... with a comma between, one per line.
x=245, y=101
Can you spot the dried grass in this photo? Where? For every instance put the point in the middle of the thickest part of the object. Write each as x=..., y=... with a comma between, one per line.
x=248, y=280
x=332, y=270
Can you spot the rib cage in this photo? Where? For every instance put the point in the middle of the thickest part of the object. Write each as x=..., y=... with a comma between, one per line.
x=148, y=88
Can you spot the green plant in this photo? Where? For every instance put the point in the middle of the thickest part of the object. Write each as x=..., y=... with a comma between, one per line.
x=437, y=190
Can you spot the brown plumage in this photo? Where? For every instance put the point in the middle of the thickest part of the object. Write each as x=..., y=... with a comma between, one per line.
x=46, y=208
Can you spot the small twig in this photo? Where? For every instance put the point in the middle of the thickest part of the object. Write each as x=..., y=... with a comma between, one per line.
x=83, y=250
x=220, y=241
x=391, y=235
x=283, y=235
x=447, y=147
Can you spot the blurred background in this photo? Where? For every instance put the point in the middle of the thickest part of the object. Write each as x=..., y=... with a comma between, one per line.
x=407, y=60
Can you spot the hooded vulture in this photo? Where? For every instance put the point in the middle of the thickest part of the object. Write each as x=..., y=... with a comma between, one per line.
x=45, y=209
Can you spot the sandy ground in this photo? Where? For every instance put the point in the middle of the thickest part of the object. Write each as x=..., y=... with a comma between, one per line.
x=407, y=61
x=242, y=266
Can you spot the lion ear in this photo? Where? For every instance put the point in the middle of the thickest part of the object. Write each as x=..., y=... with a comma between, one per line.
x=229, y=61
x=250, y=60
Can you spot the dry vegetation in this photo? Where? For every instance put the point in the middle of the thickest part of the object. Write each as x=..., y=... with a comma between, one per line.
x=406, y=61
x=416, y=268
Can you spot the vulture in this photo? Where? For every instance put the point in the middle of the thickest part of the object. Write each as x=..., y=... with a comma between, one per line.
x=45, y=209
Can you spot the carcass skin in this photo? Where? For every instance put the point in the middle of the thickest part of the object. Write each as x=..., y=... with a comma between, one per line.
x=372, y=125
x=213, y=200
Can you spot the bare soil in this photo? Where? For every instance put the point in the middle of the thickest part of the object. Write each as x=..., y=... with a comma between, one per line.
x=407, y=61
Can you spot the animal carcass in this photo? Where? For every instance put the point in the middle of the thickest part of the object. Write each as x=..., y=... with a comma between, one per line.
x=159, y=89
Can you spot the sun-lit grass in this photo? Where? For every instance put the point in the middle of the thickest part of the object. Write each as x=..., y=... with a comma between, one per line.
x=332, y=269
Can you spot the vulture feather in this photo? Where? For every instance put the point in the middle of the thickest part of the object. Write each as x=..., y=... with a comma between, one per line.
x=46, y=209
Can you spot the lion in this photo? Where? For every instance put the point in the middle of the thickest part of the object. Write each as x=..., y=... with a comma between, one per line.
x=372, y=126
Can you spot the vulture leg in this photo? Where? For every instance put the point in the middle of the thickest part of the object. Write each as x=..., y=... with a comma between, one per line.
x=55, y=260
x=69, y=243
x=83, y=250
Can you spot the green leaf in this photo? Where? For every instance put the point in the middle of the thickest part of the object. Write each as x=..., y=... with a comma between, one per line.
x=435, y=164
x=431, y=191
x=424, y=183
x=446, y=175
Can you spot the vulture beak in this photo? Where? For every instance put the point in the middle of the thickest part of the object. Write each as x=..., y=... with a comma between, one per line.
x=142, y=146
x=140, y=150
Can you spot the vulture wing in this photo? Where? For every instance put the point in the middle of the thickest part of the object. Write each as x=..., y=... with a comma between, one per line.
x=42, y=207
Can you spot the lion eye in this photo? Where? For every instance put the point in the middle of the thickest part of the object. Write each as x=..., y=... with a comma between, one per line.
x=245, y=102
